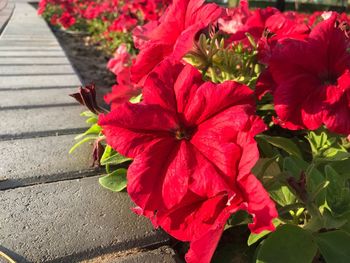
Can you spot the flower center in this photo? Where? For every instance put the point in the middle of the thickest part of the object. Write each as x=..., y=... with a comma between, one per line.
x=184, y=134
x=329, y=79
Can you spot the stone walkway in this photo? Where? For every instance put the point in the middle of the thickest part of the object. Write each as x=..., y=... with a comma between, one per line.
x=52, y=207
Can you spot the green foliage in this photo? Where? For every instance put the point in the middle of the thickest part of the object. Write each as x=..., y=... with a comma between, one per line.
x=327, y=148
x=312, y=196
x=283, y=143
x=233, y=247
x=219, y=63
x=93, y=133
x=334, y=246
x=115, y=181
x=253, y=238
x=288, y=244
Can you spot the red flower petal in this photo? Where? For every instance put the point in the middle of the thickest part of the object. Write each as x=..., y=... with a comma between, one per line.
x=131, y=127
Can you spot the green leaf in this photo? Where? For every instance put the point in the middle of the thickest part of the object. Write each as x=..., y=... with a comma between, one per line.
x=281, y=194
x=283, y=143
x=136, y=99
x=334, y=246
x=316, y=141
x=107, y=153
x=86, y=139
x=92, y=120
x=331, y=221
x=253, y=238
x=325, y=148
x=111, y=157
x=315, y=179
x=342, y=168
x=94, y=129
x=294, y=166
x=288, y=244
x=338, y=192
x=88, y=114
x=346, y=226
x=267, y=166
x=115, y=181
x=115, y=159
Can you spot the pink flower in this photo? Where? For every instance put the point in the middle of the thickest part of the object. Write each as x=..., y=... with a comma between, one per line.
x=120, y=60
x=123, y=91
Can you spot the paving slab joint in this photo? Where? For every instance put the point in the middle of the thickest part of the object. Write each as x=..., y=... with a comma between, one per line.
x=9, y=9
x=10, y=184
x=39, y=134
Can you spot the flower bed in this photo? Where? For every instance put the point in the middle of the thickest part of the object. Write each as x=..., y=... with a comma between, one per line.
x=223, y=118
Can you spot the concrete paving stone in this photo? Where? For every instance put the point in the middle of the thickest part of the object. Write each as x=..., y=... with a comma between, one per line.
x=35, y=69
x=161, y=255
x=37, y=53
x=33, y=48
x=17, y=21
x=18, y=98
x=30, y=37
x=3, y=4
x=45, y=159
x=24, y=30
x=28, y=121
x=80, y=220
x=16, y=82
x=33, y=61
x=28, y=43
x=7, y=10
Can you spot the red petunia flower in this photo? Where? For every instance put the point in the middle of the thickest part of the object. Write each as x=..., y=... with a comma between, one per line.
x=123, y=91
x=279, y=27
x=120, y=61
x=193, y=149
x=201, y=221
x=313, y=79
x=67, y=20
x=174, y=36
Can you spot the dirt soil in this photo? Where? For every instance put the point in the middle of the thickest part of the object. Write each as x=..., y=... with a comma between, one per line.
x=88, y=60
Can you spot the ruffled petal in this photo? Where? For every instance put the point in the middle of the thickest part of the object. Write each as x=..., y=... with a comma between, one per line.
x=258, y=204
x=131, y=127
x=211, y=99
x=159, y=86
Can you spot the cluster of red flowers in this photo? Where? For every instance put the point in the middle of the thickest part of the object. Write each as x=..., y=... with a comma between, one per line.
x=192, y=140
x=122, y=15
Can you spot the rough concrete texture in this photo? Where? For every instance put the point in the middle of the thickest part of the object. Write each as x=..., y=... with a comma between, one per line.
x=31, y=53
x=28, y=43
x=37, y=81
x=46, y=216
x=24, y=48
x=20, y=98
x=33, y=61
x=36, y=37
x=37, y=70
x=30, y=161
x=80, y=220
x=161, y=255
x=24, y=121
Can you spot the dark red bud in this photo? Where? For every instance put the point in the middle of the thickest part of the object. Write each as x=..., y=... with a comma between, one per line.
x=97, y=153
x=87, y=97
